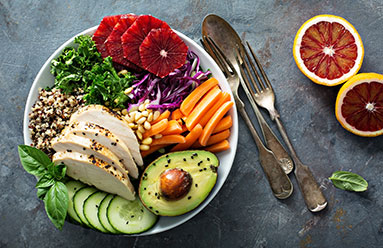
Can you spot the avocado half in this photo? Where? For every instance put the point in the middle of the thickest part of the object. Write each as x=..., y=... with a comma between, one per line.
x=178, y=182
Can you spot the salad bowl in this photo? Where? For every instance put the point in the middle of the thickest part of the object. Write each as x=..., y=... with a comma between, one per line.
x=45, y=78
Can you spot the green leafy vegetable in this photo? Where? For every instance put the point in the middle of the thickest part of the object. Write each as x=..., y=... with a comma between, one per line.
x=85, y=69
x=348, y=181
x=50, y=186
x=56, y=203
x=34, y=161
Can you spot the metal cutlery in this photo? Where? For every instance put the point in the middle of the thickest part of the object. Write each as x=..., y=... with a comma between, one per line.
x=279, y=182
x=264, y=96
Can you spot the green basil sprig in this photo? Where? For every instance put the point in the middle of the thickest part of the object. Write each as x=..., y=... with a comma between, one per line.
x=50, y=186
x=349, y=181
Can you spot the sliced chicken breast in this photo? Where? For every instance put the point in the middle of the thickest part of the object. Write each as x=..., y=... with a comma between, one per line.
x=71, y=142
x=104, y=117
x=104, y=137
x=93, y=171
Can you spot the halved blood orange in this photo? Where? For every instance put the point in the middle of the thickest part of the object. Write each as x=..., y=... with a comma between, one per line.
x=359, y=105
x=328, y=50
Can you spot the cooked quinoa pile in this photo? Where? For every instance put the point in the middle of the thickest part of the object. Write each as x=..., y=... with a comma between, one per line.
x=50, y=114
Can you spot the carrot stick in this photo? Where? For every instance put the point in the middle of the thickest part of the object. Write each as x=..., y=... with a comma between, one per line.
x=219, y=147
x=218, y=137
x=152, y=149
x=169, y=139
x=156, y=128
x=203, y=107
x=176, y=114
x=210, y=126
x=210, y=113
x=223, y=124
x=190, y=139
x=196, y=145
x=191, y=100
x=173, y=128
x=163, y=115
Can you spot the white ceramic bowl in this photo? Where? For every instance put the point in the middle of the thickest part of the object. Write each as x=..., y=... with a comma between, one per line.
x=45, y=78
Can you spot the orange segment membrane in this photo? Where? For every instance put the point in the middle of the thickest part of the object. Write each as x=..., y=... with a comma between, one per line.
x=328, y=50
x=363, y=106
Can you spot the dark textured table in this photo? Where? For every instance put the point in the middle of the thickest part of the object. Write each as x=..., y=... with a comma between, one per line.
x=244, y=213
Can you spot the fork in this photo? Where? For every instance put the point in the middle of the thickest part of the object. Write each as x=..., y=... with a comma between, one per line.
x=280, y=183
x=264, y=96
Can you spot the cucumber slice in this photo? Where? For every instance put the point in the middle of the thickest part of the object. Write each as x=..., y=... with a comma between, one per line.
x=129, y=217
x=91, y=207
x=78, y=202
x=73, y=187
x=102, y=214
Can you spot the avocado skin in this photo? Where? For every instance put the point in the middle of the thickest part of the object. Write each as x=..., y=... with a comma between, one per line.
x=201, y=165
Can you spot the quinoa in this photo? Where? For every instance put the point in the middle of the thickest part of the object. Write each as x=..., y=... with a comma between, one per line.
x=50, y=114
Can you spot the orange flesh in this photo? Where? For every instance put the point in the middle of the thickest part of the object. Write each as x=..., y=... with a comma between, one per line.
x=363, y=106
x=328, y=50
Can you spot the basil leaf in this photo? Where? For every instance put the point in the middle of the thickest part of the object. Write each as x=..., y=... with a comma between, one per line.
x=56, y=204
x=45, y=181
x=41, y=192
x=33, y=160
x=349, y=181
x=57, y=171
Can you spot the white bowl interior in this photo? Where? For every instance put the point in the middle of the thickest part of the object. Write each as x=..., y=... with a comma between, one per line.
x=45, y=78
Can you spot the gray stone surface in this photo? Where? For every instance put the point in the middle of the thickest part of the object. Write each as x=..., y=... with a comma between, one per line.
x=244, y=213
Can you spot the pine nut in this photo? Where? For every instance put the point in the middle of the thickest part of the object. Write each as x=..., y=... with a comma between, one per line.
x=141, y=107
x=156, y=115
x=137, y=117
x=147, y=125
x=147, y=101
x=128, y=90
x=141, y=128
x=150, y=117
x=147, y=141
x=122, y=72
x=141, y=120
x=131, y=125
x=144, y=147
x=139, y=134
x=145, y=113
x=132, y=109
x=124, y=112
x=128, y=119
x=158, y=136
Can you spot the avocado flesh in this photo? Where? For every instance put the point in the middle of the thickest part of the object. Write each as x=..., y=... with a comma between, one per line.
x=204, y=175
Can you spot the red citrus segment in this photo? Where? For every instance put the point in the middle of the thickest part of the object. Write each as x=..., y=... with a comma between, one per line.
x=136, y=33
x=362, y=106
x=113, y=43
x=162, y=51
x=328, y=50
x=103, y=31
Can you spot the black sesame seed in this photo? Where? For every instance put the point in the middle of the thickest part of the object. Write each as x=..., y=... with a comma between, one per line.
x=158, y=197
x=169, y=161
x=200, y=170
x=96, y=206
x=167, y=156
x=154, y=164
x=144, y=188
x=204, y=169
x=189, y=197
x=156, y=194
x=96, y=134
x=127, y=222
x=142, y=210
x=166, y=165
x=132, y=216
x=112, y=162
x=83, y=133
x=195, y=154
x=145, y=174
x=74, y=133
x=84, y=148
x=157, y=211
x=192, y=157
x=185, y=159
x=208, y=159
x=150, y=207
x=196, y=185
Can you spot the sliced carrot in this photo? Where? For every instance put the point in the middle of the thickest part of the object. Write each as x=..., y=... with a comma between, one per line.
x=176, y=114
x=203, y=107
x=223, y=124
x=218, y=137
x=191, y=100
x=152, y=149
x=169, y=139
x=190, y=139
x=156, y=128
x=163, y=115
x=173, y=128
x=210, y=113
x=219, y=147
x=210, y=126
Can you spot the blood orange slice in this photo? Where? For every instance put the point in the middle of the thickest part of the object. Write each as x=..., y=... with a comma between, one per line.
x=328, y=50
x=136, y=33
x=162, y=51
x=113, y=43
x=103, y=31
x=359, y=105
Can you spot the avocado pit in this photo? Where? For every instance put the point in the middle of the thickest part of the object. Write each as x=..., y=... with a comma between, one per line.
x=175, y=183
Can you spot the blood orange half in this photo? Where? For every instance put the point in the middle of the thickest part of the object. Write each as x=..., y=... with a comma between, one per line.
x=359, y=105
x=328, y=50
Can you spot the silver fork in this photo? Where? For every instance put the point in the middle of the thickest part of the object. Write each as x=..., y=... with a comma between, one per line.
x=265, y=97
x=280, y=183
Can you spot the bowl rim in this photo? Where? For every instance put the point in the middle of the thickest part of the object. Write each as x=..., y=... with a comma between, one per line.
x=233, y=137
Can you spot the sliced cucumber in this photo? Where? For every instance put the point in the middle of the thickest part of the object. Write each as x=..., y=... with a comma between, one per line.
x=129, y=216
x=78, y=202
x=102, y=214
x=73, y=187
x=91, y=207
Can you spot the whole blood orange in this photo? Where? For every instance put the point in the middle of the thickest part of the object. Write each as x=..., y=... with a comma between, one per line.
x=359, y=105
x=328, y=50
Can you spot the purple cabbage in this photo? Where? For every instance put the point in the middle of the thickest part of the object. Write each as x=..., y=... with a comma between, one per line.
x=170, y=91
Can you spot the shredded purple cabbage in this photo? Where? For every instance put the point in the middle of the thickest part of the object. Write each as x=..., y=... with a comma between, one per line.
x=170, y=91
